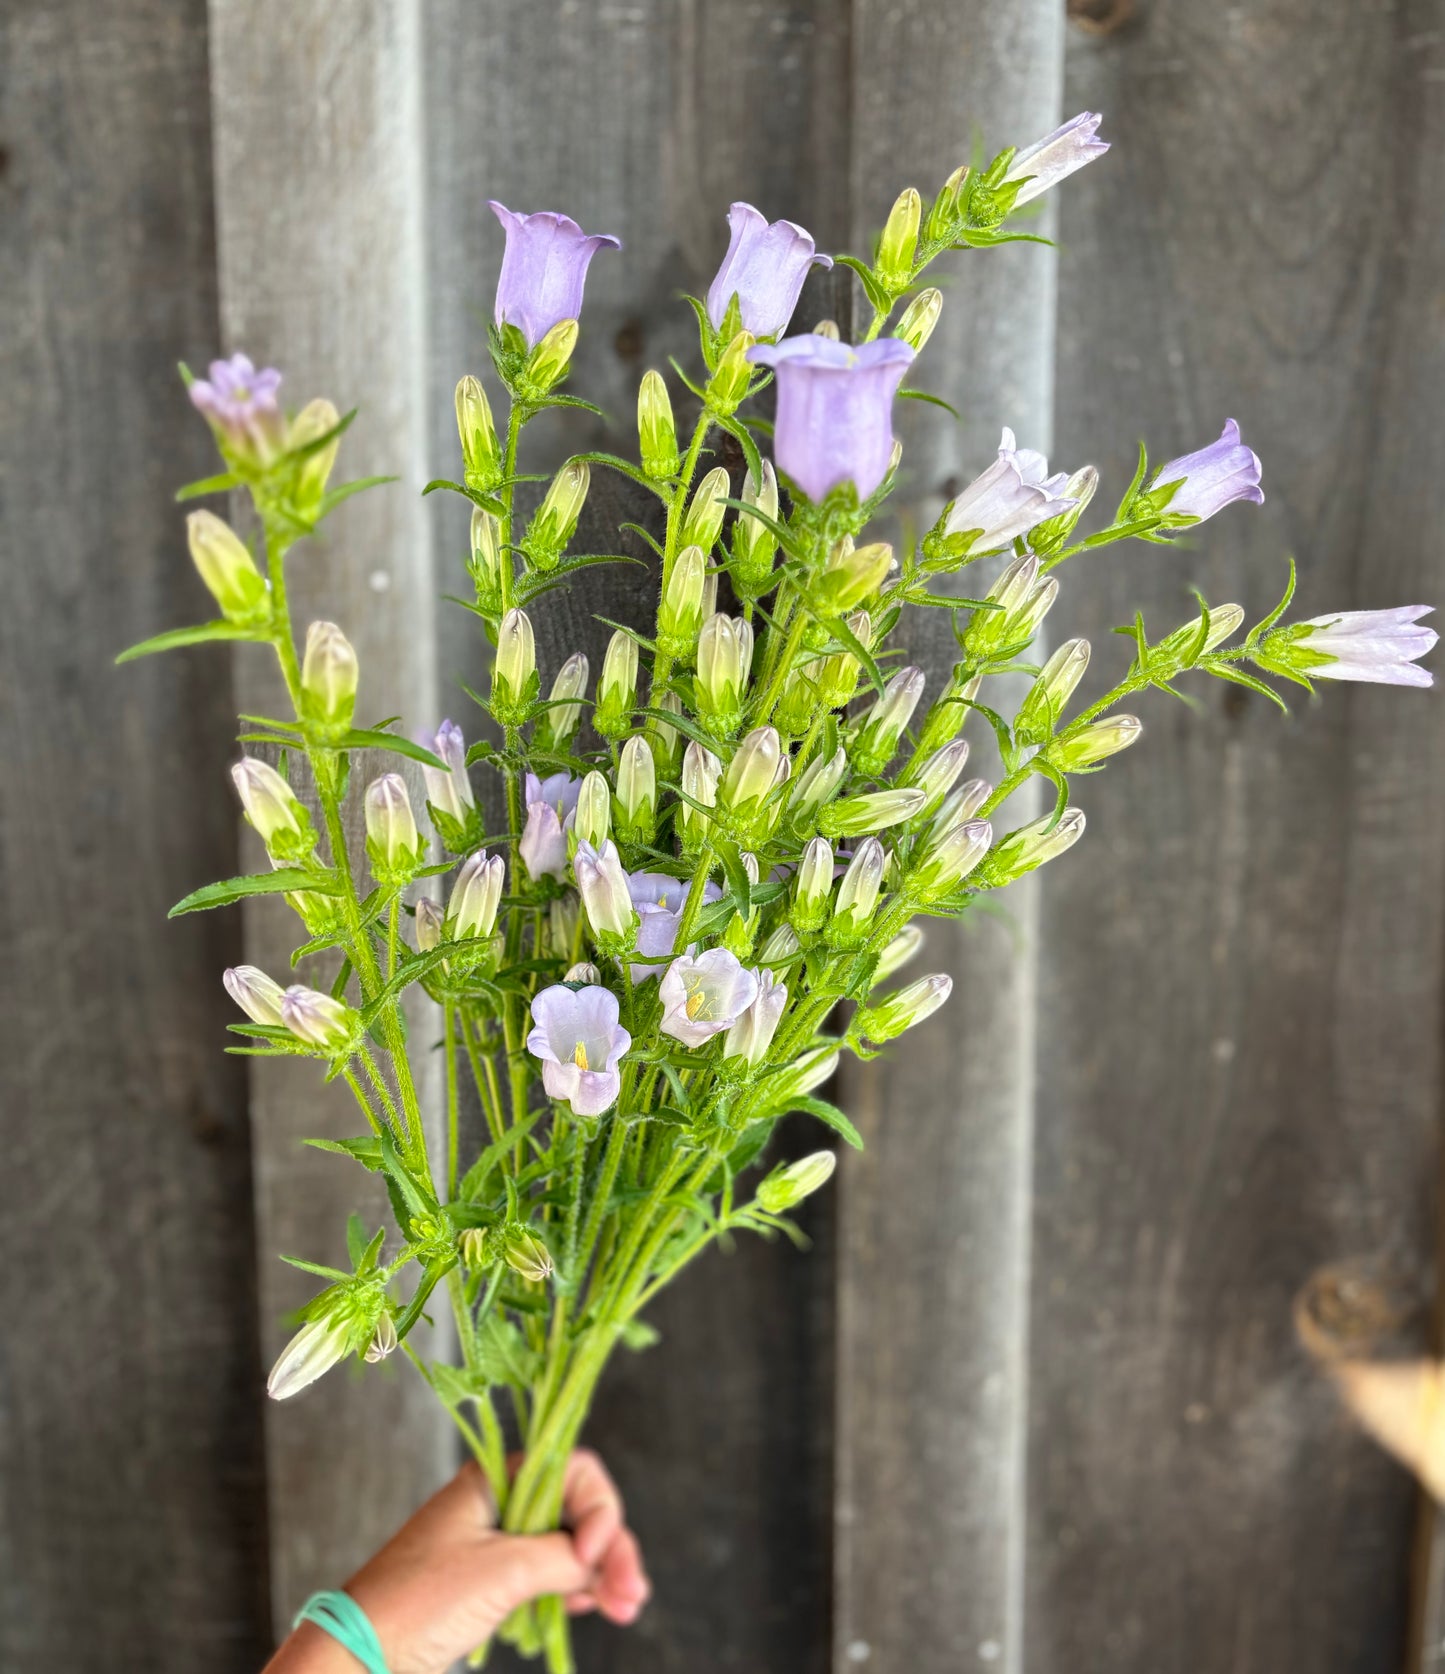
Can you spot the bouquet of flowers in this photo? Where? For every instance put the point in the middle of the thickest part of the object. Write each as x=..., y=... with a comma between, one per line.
x=698, y=899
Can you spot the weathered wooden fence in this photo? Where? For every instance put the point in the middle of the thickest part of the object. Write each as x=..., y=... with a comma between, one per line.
x=1033, y=1402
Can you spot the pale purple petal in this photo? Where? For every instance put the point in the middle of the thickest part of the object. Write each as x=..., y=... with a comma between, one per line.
x=766, y=266
x=1013, y=495
x=703, y=996
x=1212, y=477
x=580, y=1042
x=1376, y=646
x=1055, y=157
x=544, y=269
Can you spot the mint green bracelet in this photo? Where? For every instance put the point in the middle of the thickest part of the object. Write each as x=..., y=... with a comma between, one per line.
x=347, y=1623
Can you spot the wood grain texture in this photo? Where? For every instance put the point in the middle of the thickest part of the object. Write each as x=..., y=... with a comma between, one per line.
x=318, y=171
x=658, y=116
x=132, y=1494
x=1239, y=1066
x=934, y=1241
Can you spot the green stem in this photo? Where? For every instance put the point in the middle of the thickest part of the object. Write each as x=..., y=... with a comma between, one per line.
x=449, y=1033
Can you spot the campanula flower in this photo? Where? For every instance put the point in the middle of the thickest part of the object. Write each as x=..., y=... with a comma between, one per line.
x=580, y=1042
x=451, y=791
x=1209, y=479
x=1056, y=156
x=544, y=269
x=551, y=810
x=1014, y=494
x=765, y=267
x=658, y=900
x=1378, y=646
x=240, y=404
x=701, y=997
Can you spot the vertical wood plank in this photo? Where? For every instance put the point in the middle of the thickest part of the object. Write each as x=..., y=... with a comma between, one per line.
x=1239, y=1038
x=319, y=206
x=657, y=116
x=934, y=1237
x=132, y=1495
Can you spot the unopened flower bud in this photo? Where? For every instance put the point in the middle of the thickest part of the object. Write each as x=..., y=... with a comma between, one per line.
x=798, y=702
x=392, y=840
x=450, y=791
x=662, y=738
x=878, y=734
x=525, y=1253
x=752, y=772
x=256, y=994
x=898, y=952
x=605, y=894
x=852, y=575
x=547, y=364
x=1224, y=621
x=489, y=566
x=679, y=612
x=481, y=456
x=1045, y=700
x=873, y=811
x=636, y=791
x=781, y=947
x=995, y=630
x=328, y=676
x=226, y=567
x=807, y=1073
x=915, y=325
x=429, y=922
x=514, y=671
x=814, y=788
x=656, y=431
x=947, y=206
x=790, y=1183
x=564, y=920
x=1031, y=846
x=704, y=520
x=754, y=543
x=729, y=384
x=316, y=1018
x=857, y=894
x=563, y=714
x=475, y=1248
x=701, y=771
x=948, y=861
x=837, y=677
x=889, y=1017
x=383, y=1340
x=593, y=820
x=724, y=659
x=945, y=718
x=937, y=775
x=586, y=973
x=555, y=521
x=813, y=886
x=617, y=689
x=317, y=419
x=310, y=1354
x=709, y=592
x=828, y=329
x=476, y=895
x=271, y=806
x=899, y=243
x=1095, y=743
x=958, y=806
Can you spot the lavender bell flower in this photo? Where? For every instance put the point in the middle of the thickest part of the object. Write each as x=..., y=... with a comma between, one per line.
x=450, y=791
x=240, y=404
x=1056, y=156
x=752, y=1034
x=551, y=809
x=1013, y=495
x=580, y=1042
x=835, y=410
x=1379, y=646
x=765, y=268
x=543, y=270
x=701, y=997
x=658, y=900
x=603, y=886
x=1210, y=479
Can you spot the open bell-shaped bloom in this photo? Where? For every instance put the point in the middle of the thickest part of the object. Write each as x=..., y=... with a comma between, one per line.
x=551, y=810
x=544, y=269
x=1014, y=494
x=1377, y=646
x=240, y=404
x=703, y=996
x=659, y=900
x=835, y=410
x=1056, y=156
x=1211, y=478
x=580, y=1042
x=765, y=267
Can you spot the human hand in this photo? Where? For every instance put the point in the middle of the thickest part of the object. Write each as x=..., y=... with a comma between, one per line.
x=447, y=1579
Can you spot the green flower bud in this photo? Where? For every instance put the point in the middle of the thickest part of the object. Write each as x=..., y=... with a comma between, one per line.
x=754, y=543
x=656, y=431
x=555, y=521
x=798, y=701
x=318, y=1019
x=662, y=738
x=560, y=719
x=1029, y=847
x=271, y=807
x=781, y=947
x=915, y=325
x=873, y=811
x=709, y=592
x=1044, y=703
x=828, y=329
x=1095, y=743
x=525, y=1253
x=481, y=456
x=724, y=662
x=564, y=918
x=958, y=806
x=514, y=671
x=316, y=419
x=852, y=575
x=593, y=821
x=310, y=1354
x=548, y=363
x=617, y=689
x=898, y=952
x=489, y=565
x=882, y=726
x=937, y=775
x=789, y=1184
x=1049, y=537
x=729, y=384
x=947, y=207
x=899, y=243
x=679, y=612
x=813, y=886
x=701, y=771
x=392, y=840
x=1224, y=621
x=636, y=800
x=704, y=520
x=947, y=861
x=227, y=568
x=328, y=676
x=752, y=773
x=814, y=788
x=857, y=895
x=476, y=895
x=429, y=922
x=945, y=718
x=895, y=1013
x=1018, y=594
x=837, y=677
x=476, y=1248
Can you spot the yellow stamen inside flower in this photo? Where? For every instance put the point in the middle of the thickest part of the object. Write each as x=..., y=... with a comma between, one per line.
x=579, y=1055
x=695, y=1002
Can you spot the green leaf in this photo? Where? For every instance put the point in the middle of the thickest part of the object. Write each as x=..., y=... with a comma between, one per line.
x=174, y=638
x=1258, y=633
x=873, y=290
x=573, y=401
x=1228, y=671
x=488, y=502
x=476, y=1177
x=332, y=500
x=786, y=538
x=625, y=467
x=840, y=629
x=683, y=724
x=932, y=400
x=750, y=448
x=207, y=485
x=834, y=1118
x=367, y=738
x=366, y=1150
x=257, y=883
x=333, y=1273
x=325, y=439
x=537, y=582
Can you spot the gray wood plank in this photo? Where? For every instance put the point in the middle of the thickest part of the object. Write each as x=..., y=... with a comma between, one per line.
x=1239, y=1055
x=132, y=1495
x=720, y=1436
x=934, y=1239
x=318, y=171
